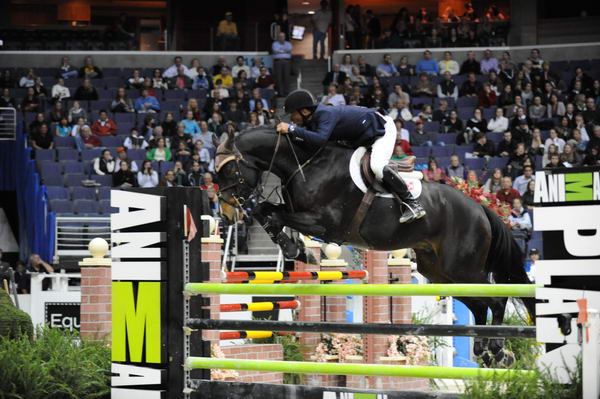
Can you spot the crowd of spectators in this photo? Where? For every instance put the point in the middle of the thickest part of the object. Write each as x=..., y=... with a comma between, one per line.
x=204, y=102
x=23, y=271
x=424, y=29
x=507, y=117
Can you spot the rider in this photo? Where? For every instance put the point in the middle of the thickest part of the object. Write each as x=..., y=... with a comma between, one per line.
x=317, y=124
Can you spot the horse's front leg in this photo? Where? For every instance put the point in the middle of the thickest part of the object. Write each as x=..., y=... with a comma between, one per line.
x=269, y=217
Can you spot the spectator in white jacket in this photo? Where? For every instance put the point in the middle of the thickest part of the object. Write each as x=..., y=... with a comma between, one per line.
x=499, y=123
x=448, y=64
x=104, y=164
x=554, y=139
x=147, y=177
x=333, y=97
x=173, y=70
x=59, y=91
x=401, y=111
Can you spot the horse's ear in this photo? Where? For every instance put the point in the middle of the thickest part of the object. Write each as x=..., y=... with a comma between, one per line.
x=226, y=145
x=229, y=140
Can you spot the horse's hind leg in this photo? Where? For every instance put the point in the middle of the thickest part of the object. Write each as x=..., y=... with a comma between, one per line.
x=478, y=307
x=496, y=345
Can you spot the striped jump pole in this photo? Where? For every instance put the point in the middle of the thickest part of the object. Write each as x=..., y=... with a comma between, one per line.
x=259, y=306
x=250, y=334
x=384, y=370
x=455, y=290
x=295, y=276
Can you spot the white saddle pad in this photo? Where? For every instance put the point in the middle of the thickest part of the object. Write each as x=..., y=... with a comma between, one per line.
x=412, y=179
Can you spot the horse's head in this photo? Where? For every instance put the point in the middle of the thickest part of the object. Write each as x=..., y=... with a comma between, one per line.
x=238, y=177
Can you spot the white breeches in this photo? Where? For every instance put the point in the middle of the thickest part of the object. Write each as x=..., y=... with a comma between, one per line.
x=383, y=148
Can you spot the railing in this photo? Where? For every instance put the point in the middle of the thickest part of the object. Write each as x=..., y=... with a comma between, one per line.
x=8, y=124
x=231, y=248
x=73, y=234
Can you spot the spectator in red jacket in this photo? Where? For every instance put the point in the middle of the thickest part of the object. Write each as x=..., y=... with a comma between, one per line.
x=506, y=193
x=86, y=140
x=104, y=126
x=487, y=96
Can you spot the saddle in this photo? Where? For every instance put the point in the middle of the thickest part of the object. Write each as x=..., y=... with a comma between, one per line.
x=405, y=165
x=373, y=187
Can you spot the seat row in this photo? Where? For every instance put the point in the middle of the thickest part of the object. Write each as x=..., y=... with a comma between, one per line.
x=82, y=207
x=69, y=154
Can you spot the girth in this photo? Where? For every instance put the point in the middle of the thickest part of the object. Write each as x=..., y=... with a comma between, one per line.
x=373, y=187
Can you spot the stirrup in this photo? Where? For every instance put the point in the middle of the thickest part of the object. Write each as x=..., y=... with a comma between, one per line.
x=415, y=213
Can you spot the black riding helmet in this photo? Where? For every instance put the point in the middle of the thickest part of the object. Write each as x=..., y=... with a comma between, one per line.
x=299, y=99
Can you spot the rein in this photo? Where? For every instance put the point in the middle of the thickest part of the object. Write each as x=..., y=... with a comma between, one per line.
x=237, y=156
x=259, y=190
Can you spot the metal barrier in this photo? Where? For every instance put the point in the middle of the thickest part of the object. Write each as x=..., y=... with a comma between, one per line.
x=8, y=124
x=73, y=234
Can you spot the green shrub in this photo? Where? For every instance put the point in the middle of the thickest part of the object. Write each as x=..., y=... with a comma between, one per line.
x=54, y=365
x=538, y=385
x=13, y=322
x=526, y=350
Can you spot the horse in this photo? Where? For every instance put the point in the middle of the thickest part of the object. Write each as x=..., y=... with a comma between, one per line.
x=459, y=241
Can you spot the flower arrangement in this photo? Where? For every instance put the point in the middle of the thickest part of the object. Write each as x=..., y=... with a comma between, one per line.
x=340, y=345
x=472, y=189
x=416, y=349
x=219, y=374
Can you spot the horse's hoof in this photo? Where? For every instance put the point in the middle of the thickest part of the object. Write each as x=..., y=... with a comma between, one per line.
x=310, y=257
x=305, y=256
x=505, y=358
x=496, y=345
x=487, y=359
x=479, y=346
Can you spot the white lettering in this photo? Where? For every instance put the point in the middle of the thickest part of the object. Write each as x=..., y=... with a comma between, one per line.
x=571, y=220
x=557, y=300
x=560, y=361
x=596, y=186
x=554, y=186
x=55, y=320
x=541, y=188
x=120, y=393
x=135, y=243
x=146, y=271
x=546, y=269
x=128, y=375
x=151, y=208
x=548, y=331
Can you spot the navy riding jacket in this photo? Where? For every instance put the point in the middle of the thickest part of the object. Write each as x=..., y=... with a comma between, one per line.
x=357, y=126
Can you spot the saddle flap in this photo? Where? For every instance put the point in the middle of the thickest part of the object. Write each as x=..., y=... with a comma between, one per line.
x=406, y=164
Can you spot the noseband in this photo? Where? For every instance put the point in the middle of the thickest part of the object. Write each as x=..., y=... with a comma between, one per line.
x=236, y=156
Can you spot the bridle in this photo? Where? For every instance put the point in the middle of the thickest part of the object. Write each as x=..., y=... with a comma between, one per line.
x=238, y=199
x=236, y=155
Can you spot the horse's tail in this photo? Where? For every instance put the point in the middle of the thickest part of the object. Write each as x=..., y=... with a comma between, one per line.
x=505, y=258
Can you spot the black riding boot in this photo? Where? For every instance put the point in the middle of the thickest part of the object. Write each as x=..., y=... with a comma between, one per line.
x=414, y=210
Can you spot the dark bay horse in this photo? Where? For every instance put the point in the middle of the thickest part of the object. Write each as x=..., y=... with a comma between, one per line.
x=459, y=241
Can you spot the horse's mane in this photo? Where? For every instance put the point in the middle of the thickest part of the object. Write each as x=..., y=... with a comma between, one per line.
x=303, y=150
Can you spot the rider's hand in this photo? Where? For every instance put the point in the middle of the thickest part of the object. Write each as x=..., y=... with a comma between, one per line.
x=283, y=127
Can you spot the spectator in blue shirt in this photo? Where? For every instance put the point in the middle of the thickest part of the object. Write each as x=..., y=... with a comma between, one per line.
x=147, y=103
x=202, y=80
x=189, y=123
x=427, y=65
x=387, y=68
x=282, y=67
x=256, y=96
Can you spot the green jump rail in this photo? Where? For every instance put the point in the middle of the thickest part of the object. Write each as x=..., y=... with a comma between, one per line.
x=455, y=290
x=383, y=370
